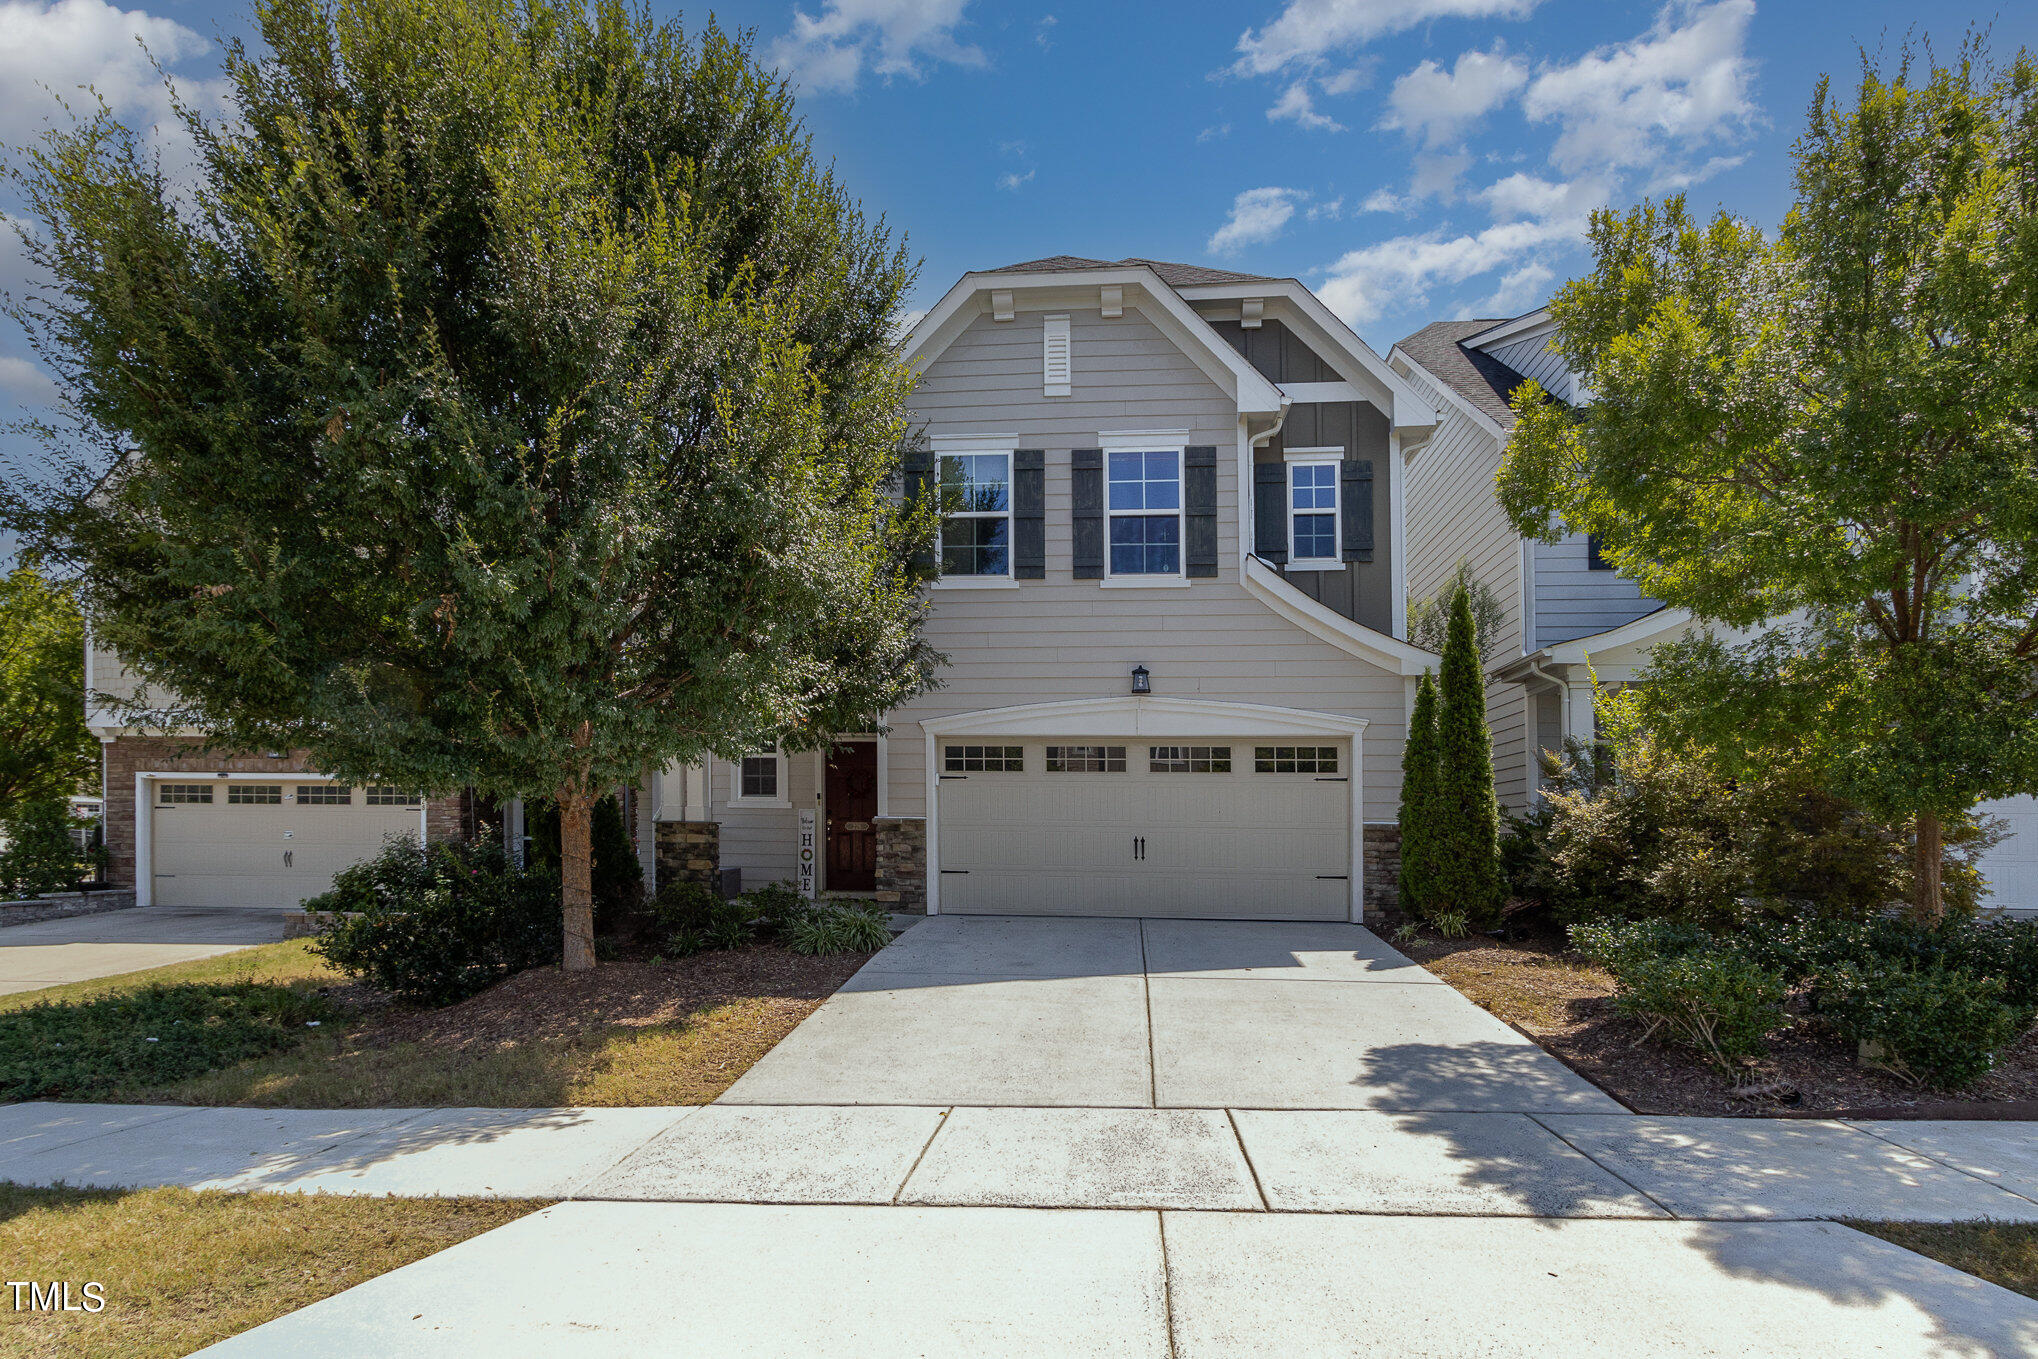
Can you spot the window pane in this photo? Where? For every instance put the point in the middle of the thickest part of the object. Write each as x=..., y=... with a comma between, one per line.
x=254, y=794
x=325, y=795
x=1295, y=759
x=384, y=796
x=760, y=776
x=1145, y=481
x=185, y=792
x=1314, y=486
x=975, y=483
x=1086, y=759
x=1146, y=545
x=1189, y=759
x=1315, y=536
x=976, y=547
x=984, y=759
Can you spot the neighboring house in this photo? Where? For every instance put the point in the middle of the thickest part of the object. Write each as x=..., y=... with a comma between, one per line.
x=1569, y=616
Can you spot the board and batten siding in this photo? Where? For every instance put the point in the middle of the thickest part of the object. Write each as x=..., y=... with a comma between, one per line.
x=1453, y=514
x=1061, y=639
x=1573, y=600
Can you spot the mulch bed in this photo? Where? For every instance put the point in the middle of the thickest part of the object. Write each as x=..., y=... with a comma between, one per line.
x=546, y=1003
x=1565, y=1004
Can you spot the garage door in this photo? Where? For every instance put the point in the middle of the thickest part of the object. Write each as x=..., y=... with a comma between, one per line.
x=1209, y=827
x=2011, y=868
x=245, y=843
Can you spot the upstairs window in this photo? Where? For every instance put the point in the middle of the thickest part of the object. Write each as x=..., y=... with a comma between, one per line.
x=1145, y=500
x=976, y=514
x=1312, y=511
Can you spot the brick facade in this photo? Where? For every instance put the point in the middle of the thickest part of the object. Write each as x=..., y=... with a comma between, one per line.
x=688, y=851
x=1382, y=886
x=901, y=863
x=127, y=756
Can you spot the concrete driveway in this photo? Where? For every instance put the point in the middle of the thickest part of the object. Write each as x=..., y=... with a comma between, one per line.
x=80, y=948
x=1172, y=1014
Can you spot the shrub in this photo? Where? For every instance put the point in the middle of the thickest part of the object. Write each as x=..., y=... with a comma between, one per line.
x=1419, y=813
x=1622, y=945
x=681, y=914
x=40, y=856
x=159, y=1034
x=1464, y=845
x=615, y=875
x=2004, y=949
x=437, y=923
x=775, y=908
x=1935, y=1024
x=860, y=927
x=1712, y=1000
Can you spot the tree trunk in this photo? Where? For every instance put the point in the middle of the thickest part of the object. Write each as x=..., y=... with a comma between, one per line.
x=1927, y=903
x=576, y=878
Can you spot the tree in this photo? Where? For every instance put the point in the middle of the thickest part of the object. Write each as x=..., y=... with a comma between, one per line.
x=1465, y=848
x=1429, y=620
x=511, y=401
x=46, y=751
x=1419, y=803
x=1822, y=441
x=40, y=855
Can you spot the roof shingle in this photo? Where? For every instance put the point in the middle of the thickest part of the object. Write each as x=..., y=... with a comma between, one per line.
x=1477, y=376
x=1173, y=274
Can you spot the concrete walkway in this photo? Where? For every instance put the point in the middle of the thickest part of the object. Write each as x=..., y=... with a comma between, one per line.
x=80, y=948
x=1116, y=1138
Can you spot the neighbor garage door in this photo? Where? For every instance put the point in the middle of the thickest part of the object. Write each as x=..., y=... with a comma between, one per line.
x=257, y=844
x=2011, y=868
x=1210, y=827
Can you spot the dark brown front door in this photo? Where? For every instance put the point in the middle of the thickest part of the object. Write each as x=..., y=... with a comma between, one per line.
x=852, y=803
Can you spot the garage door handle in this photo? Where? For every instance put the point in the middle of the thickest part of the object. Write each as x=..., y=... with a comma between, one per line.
x=1332, y=877
x=1336, y=780
x=947, y=871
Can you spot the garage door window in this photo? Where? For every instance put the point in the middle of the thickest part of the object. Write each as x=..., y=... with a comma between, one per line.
x=185, y=792
x=325, y=795
x=985, y=759
x=391, y=797
x=1295, y=759
x=254, y=794
x=1086, y=759
x=1189, y=759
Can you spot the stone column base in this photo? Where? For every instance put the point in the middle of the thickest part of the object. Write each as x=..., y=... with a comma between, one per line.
x=901, y=864
x=688, y=851
x=1382, y=895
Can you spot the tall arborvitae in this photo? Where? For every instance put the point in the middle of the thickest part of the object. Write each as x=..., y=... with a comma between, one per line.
x=1420, y=785
x=1465, y=841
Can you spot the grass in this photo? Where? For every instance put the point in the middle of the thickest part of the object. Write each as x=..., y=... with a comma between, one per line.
x=233, y=1260
x=688, y=1062
x=291, y=961
x=2004, y=1253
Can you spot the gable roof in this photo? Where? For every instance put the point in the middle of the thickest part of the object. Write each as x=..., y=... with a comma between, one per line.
x=1174, y=275
x=1473, y=374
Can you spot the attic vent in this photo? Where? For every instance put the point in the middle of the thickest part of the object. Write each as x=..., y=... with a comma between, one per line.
x=1054, y=357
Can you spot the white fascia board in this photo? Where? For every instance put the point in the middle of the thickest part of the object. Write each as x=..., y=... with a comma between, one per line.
x=1390, y=654
x=1339, y=343
x=1477, y=416
x=1516, y=329
x=1149, y=715
x=1157, y=302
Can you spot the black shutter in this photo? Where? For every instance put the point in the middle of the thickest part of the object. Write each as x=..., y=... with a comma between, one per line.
x=1270, y=512
x=1199, y=505
x=1356, y=503
x=1086, y=511
x=1593, y=561
x=1029, y=514
x=918, y=466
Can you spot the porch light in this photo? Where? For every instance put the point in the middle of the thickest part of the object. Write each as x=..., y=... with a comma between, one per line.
x=1140, y=681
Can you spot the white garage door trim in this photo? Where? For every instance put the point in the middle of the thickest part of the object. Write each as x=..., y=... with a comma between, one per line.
x=145, y=821
x=1147, y=716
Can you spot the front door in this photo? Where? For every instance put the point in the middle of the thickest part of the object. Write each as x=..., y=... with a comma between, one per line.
x=852, y=804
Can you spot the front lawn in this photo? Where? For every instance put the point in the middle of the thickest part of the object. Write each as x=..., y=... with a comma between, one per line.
x=1565, y=1004
x=277, y=1026
x=181, y=1270
x=2004, y=1253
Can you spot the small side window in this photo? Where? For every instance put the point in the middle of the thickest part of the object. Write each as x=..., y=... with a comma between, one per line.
x=758, y=777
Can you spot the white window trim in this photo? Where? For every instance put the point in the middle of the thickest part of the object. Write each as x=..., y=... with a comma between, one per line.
x=1138, y=580
x=736, y=797
x=1316, y=458
x=1007, y=580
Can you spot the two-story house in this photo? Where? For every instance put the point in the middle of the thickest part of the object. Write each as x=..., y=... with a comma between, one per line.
x=1569, y=616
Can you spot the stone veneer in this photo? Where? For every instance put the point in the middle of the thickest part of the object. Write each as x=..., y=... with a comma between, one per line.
x=1382, y=887
x=901, y=863
x=687, y=851
x=127, y=756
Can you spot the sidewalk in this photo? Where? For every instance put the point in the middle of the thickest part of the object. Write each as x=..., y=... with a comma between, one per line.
x=1243, y=1160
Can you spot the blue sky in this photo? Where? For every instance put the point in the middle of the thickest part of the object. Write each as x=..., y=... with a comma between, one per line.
x=1412, y=160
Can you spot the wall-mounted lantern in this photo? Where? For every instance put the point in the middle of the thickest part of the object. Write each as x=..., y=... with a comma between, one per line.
x=1141, y=683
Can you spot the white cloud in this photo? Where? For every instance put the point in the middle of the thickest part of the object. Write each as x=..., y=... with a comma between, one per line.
x=1348, y=80
x=1384, y=200
x=1214, y=132
x=52, y=51
x=25, y=383
x=1012, y=181
x=1043, y=32
x=1437, y=175
x=1308, y=31
x=833, y=50
x=1365, y=283
x=1521, y=195
x=1683, y=83
x=1257, y=216
x=1440, y=106
x=1520, y=290
x=1678, y=180
x=1327, y=212
x=1297, y=104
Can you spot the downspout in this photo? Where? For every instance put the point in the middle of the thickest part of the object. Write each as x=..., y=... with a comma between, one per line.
x=1563, y=721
